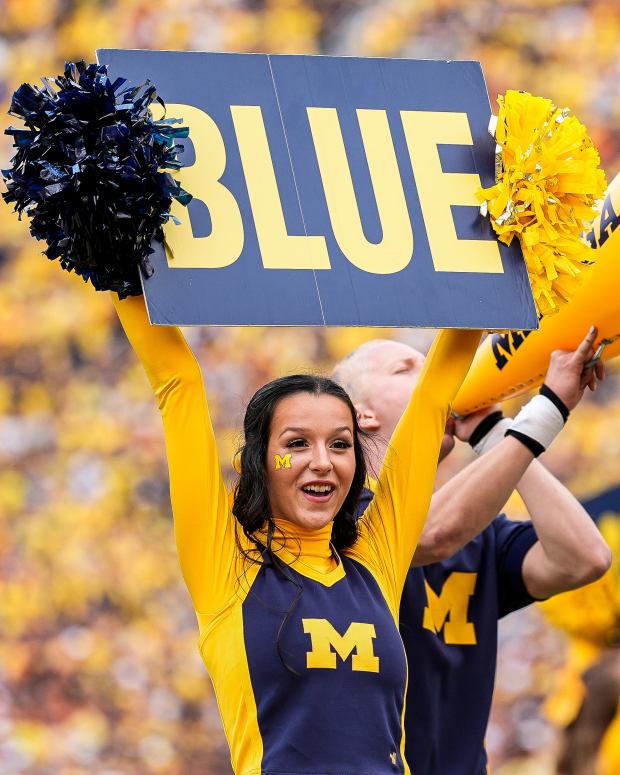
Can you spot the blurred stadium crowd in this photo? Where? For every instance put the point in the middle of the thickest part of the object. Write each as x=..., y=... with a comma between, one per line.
x=99, y=672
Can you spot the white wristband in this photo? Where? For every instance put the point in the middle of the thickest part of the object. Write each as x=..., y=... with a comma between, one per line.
x=539, y=420
x=493, y=437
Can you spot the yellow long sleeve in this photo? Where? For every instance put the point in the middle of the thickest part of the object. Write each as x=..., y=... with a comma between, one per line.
x=204, y=527
x=392, y=524
x=266, y=709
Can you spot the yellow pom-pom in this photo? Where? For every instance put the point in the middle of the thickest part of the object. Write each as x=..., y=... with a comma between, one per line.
x=548, y=182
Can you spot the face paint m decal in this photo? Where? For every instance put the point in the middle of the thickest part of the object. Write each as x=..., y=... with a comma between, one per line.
x=283, y=461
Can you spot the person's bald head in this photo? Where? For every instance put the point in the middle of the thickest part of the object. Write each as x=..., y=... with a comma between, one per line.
x=380, y=377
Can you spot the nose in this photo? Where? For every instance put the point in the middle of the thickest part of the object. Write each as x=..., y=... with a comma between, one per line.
x=321, y=459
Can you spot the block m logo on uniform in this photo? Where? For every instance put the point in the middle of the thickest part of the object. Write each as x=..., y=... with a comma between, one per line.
x=327, y=643
x=448, y=610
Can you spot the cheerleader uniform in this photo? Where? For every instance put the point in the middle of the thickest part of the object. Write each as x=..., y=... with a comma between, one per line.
x=330, y=699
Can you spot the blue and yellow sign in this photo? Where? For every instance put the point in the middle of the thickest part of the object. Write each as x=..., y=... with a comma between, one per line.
x=330, y=191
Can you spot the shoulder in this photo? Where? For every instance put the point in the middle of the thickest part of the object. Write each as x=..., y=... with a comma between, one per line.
x=473, y=550
x=505, y=531
x=479, y=553
x=365, y=498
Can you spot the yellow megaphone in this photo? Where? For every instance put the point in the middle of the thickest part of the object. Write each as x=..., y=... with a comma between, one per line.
x=511, y=363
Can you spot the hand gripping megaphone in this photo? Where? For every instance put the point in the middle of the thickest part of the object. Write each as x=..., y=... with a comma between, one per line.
x=511, y=363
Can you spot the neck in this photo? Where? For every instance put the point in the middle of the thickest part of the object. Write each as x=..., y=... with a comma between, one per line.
x=377, y=449
x=375, y=453
x=293, y=543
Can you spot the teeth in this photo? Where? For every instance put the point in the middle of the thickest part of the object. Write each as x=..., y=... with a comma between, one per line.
x=318, y=488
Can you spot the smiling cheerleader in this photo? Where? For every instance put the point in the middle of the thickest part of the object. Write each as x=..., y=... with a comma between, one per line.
x=297, y=604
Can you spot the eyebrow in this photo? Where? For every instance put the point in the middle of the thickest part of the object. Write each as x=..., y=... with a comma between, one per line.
x=295, y=429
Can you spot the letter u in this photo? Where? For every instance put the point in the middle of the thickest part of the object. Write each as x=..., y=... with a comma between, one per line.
x=395, y=250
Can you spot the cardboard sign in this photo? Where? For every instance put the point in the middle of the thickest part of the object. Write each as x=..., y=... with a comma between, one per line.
x=330, y=191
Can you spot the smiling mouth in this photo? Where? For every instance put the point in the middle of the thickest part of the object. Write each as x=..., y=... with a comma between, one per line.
x=318, y=493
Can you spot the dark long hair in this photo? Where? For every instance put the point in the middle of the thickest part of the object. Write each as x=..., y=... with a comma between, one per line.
x=251, y=502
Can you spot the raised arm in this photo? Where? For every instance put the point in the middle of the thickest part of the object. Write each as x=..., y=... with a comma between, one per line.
x=392, y=524
x=468, y=503
x=570, y=550
x=203, y=525
x=464, y=506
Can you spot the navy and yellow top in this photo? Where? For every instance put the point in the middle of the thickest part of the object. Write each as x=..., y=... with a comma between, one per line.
x=337, y=708
x=448, y=622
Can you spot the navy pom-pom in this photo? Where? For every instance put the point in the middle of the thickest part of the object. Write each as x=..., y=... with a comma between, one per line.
x=90, y=172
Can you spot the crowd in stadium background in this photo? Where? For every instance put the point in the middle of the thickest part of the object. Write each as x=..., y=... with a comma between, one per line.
x=99, y=670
